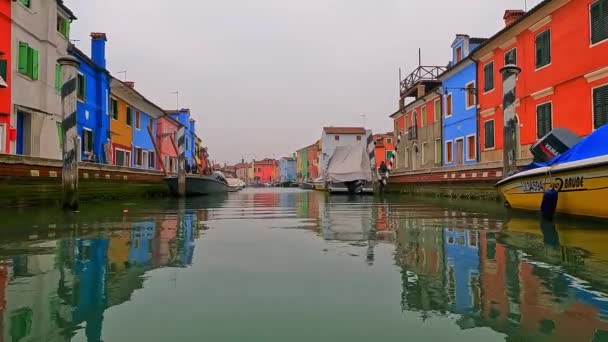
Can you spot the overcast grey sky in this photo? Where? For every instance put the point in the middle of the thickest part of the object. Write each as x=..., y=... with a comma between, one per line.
x=262, y=77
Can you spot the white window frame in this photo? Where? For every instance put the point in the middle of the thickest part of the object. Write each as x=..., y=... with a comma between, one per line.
x=435, y=117
x=423, y=154
x=464, y=149
x=483, y=72
x=592, y=106
x=591, y=44
x=466, y=96
x=438, y=153
x=77, y=89
x=466, y=153
x=145, y=161
x=451, y=97
x=127, y=156
x=484, y=136
x=536, y=115
x=90, y=132
x=451, y=142
x=111, y=111
x=138, y=120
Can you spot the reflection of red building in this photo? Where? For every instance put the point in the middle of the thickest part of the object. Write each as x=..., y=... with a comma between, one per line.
x=266, y=171
x=384, y=147
x=493, y=266
x=165, y=241
x=5, y=74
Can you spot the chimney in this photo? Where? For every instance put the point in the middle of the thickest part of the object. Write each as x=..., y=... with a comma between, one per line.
x=512, y=16
x=421, y=90
x=130, y=84
x=98, y=48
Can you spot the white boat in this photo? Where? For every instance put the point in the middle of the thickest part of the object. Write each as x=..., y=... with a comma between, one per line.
x=234, y=184
x=349, y=171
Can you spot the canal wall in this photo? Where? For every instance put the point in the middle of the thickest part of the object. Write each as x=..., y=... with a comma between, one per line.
x=463, y=182
x=27, y=181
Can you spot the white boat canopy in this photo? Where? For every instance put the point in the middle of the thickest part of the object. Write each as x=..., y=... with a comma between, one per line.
x=349, y=163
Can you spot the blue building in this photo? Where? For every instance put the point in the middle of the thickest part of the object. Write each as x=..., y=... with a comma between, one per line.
x=93, y=120
x=184, y=118
x=144, y=133
x=462, y=268
x=288, y=169
x=460, y=104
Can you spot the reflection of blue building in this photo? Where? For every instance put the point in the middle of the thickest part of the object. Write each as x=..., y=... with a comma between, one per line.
x=142, y=239
x=462, y=267
x=185, y=238
x=90, y=262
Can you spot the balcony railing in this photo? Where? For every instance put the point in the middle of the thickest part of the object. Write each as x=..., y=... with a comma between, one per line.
x=421, y=73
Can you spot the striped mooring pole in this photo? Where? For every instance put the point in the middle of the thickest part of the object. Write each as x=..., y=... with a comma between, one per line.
x=181, y=161
x=69, y=132
x=371, y=151
x=509, y=79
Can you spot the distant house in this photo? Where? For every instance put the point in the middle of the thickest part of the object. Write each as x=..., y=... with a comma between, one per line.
x=333, y=137
x=384, y=147
x=166, y=142
x=265, y=171
x=184, y=117
x=287, y=169
x=93, y=119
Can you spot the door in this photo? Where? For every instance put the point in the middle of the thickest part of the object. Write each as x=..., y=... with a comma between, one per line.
x=24, y=135
x=19, y=133
x=2, y=138
x=459, y=152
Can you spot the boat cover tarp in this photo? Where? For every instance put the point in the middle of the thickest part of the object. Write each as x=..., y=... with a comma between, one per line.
x=594, y=145
x=349, y=163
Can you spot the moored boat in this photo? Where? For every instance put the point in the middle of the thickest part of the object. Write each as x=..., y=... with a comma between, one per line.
x=349, y=171
x=307, y=186
x=580, y=176
x=319, y=184
x=200, y=185
x=234, y=184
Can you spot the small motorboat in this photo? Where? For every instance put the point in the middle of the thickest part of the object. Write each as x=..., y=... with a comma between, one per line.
x=200, y=185
x=307, y=186
x=234, y=184
x=349, y=171
x=319, y=184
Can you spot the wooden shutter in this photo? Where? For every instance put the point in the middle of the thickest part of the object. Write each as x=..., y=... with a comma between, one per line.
x=597, y=29
x=543, y=49
x=600, y=106
x=34, y=66
x=3, y=71
x=488, y=76
x=543, y=120
x=489, y=134
x=23, y=51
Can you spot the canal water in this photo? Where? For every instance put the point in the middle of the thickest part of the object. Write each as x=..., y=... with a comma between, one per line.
x=291, y=265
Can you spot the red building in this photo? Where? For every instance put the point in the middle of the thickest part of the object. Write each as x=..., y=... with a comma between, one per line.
x=265, y=171
x=5, y=75
x=561, y=48
x=166, y=142
x=384, y=147
x=312, y=152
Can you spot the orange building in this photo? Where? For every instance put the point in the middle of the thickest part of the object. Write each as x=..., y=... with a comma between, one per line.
x=561, y=48
x=121, y=130
x=266, y=171
x=384, y=147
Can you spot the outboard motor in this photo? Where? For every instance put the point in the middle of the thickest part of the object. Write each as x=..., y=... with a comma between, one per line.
x=553, y=144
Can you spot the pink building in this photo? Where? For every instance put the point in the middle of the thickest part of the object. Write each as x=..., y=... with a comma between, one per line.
x=166, y=142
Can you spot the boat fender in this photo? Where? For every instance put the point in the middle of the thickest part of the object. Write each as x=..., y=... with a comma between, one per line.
x=549, y=204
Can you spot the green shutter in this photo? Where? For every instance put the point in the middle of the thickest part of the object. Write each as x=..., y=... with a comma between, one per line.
x=60, y=132
x=600, y=106
x=488, y=76
x=34, y=67
x=57, y=77
x=543, y=120
x=23, y=52
x=489, y=134
x=3, y=71
x=597, y=29
x=67, y=28
x=543, y=49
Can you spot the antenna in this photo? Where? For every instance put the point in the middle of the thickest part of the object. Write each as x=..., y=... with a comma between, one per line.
x=123, y=72
x=363, y=118
x=419, y=57
x=176, y=98
x=526, y=5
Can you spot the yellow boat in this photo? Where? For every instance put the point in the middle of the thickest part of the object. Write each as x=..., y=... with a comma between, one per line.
x=319, y=184
x=582, y=186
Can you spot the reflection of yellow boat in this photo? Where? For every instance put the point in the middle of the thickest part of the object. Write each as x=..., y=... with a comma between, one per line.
x=582, y=187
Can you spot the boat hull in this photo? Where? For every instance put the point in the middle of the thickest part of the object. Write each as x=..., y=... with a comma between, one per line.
x=341, y=188
x=198, y=186
x=582, y=190
x=307, y=186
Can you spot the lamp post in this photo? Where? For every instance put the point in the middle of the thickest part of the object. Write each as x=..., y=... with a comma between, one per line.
x=509, y=78
x=69, y=132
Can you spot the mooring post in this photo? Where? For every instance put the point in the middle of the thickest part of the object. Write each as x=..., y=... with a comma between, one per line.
x=69, y=132
x=509, y=156
x=181, y=161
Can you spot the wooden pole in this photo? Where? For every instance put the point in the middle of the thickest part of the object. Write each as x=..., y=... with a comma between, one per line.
x=157, y=151
x=69, y=132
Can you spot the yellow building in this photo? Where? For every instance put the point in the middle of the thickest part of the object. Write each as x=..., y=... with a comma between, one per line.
x=121, y=119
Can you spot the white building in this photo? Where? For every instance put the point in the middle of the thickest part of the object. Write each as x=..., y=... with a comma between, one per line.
x=333, y=137
x=40, y=34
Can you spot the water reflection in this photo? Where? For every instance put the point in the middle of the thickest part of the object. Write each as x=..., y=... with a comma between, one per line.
x=521, y=277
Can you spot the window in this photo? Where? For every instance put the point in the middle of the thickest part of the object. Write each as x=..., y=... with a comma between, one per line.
x=470, y=94
x=63, y=26
x=151, y=160
x=437, y=110
x=449, y=157
x=543, y=119
x=600, y=106
x=458, y=54
x=423, y=116
x=389, y=155
x=389, y=141
x=167, y=163
x=114, y=108
x=87, y=138
x=471, y=148
x=26, y=3
x=543, y=49
x=406, y=160
x=138, y=156
x=129, y=116
x=137, y=118
x=28, y=61
x=437, y=151
x=358, y=138
x=57, y=77
x=598, y=12
x=488, y=77
x=424, y=152
x=337, y=138
x=489, y=134
x=511, y=57
x=60, y=133
x=21, y=323
x=448, y=105
x=82, y=87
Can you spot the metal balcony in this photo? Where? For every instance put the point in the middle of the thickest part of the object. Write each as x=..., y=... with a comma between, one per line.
x=421, y=73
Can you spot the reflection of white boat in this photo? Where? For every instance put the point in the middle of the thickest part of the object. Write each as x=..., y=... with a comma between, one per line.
x=200, y=185
x=349, y=171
